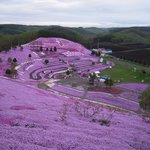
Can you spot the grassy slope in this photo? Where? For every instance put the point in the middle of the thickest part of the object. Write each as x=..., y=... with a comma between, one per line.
x=123, y=35
x=124, y=71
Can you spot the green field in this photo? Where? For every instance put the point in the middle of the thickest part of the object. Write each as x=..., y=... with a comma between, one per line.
x=147, y=42
x=124, y=71
x=147, y=48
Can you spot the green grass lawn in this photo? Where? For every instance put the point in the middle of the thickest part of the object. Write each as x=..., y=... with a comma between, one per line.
x=147, y=42
x=147, y=48
x=124, y=71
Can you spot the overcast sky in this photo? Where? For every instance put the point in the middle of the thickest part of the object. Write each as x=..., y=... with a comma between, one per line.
x=85, y=13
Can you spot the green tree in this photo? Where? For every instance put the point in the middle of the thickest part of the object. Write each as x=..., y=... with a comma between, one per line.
x=9, y=60
x=145, y=99
x=109, y=82
x=29, y=55
x=46, y=61
x=92, y=78
x=14, y=60
x=8, y=72
x=11, y=72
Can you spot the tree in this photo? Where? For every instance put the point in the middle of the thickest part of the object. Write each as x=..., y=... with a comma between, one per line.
x=9, y=60
x=41, y=48
x=29, y=55
x=55, y=49
x=8, y=72
x=46, y=61
x=1, y=60
x=51, y=49
x=93, y=63
x=14, y=60
x=109, y=82
x=67, y=72
x=92, y=77
x=145, y=99
x=143, y=71
x=11, y=72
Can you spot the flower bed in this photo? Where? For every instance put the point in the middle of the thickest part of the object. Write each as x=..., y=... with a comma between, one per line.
x=67, y=90
x=137, y=87
x=112, y=100
x=131, y=95
x=112, y=90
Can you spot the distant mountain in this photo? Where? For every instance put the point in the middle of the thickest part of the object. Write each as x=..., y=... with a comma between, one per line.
x=11, y=29
x=12, y=35
x=132, y=34
x=125, y=35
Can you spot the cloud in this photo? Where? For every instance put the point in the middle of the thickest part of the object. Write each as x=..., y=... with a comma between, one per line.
x=76, y=12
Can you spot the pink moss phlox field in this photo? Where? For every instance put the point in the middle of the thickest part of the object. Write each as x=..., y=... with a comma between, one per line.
x=64, y=118
x=137, y=87
x=22, y=108
x=41, y=128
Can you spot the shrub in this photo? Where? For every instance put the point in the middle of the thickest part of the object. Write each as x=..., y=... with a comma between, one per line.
x=145, y=99
x=9, y=60
x=94, y=113
x=93, y=63
x=92, y=78
x=14, y=60
x=63, y=113
x=14, y=72
x=1, y=60
x=29, y=55
x=41, y=48
x=51, y=49
x=109, y=82
x=46, y=61
x=11, y=72
x=104, y=122
x=143, y=71
x=8, y=72
x=55, y=49
x=86, y=110
x=67, y=72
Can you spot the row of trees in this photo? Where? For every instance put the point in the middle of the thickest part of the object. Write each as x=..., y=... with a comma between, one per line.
x=145, y=99
x=8, y=41
x=142, y=62
x=51, y=49
x=12, y=72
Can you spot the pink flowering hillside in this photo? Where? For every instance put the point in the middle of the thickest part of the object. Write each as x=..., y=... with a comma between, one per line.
x=53, y=96
x=38, y=120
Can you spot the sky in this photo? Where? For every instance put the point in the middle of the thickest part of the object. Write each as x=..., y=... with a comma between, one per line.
x=76, y=13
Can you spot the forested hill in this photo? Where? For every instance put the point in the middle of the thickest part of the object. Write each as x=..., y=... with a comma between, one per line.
x=12, y=35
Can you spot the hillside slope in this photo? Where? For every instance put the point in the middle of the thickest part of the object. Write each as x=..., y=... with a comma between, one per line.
x=34, y=119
